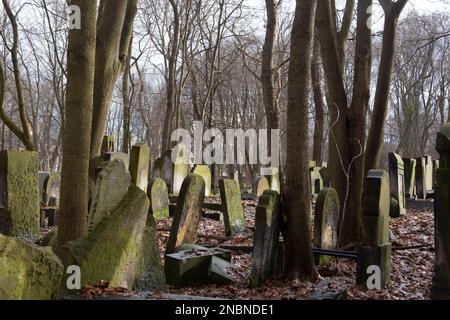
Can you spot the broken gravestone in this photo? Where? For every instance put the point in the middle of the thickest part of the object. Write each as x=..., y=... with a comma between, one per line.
x=233, y=212
x=117, y=250
x=410, y=177
x=28, y=272
x=111, y=186
x=265, y=238
x=205, y=173
x=376, y=249
x=260, y=185
x=440, y=288
x=159, y=199
x=188, y=212
x=326, y=222
x=397, y=185
x=140, y=165
x=420, y=178
x=19, y=193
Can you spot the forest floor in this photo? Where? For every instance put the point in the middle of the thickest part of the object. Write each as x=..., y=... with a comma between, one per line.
x=411, y=275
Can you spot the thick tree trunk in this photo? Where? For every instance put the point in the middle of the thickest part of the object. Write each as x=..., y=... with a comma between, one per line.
x=126, y=137
x=318, y=106
x=299, y=257
x=73, y=212
x=392, y=11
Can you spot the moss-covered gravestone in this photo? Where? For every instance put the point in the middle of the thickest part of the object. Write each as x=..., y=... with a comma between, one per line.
x=273, y=176
x=326, y=222
x=159, y=199
x=375, y=248
x=410, y=177
x=117, y=250
x=441, y=281
x=397, y=185
x=28, y=272
x=265, y=238
x=111, y=186
x=187, y=213
x=260, y=185
x=233, y=211
x=420, y=178
x=205, y=173
x=19, y=193
x=316, y=180
x=140, y=165
x=124, y=157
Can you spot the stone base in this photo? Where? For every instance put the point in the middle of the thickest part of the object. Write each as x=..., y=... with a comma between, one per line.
x=374, y=255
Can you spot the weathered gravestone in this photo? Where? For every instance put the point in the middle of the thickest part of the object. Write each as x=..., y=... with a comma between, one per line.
x=19, y=193
x=410, y=177
x=435, y=167
x=265, y=238
x=397, y=185
x=273, y=176
x=120, y=250
x=187, y=213
x=420, y=178
x=140, y=165
x=204, y=172
x=260, y=185
x=441, y=281
x=110, y=189
x=428, y=174
x=124, y=157
x=375, y=249
x=233, y=212
x=326, y=222
x=159, y=199
x=28, y=272
x=316, y=182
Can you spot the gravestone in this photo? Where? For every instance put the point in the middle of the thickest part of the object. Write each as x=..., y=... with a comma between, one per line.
x=19, y=193
x=180, y=168
x=397, y=185
x=428, y=174
x=140, y=165
x=265, y=238
x=188, y=212
x=260, y=185
x=410, y=177
x=316, y=182
x=375, y=248
x=273, y=176
x=159, y=199
x=312, y=164
x=440, y=288
x=233, y=212
x=107, y=144
x=124, y=157
x=110, y=188
x=420, y=178
x=435, y=167
x=205, y=173
x=326, y=222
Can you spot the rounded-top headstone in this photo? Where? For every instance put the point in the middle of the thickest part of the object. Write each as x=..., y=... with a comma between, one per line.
x=159, y=198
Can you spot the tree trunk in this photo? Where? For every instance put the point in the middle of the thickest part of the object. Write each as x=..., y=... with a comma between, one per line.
x=299, y=257
x=126, y=139
x=318, y=106
x=77, y=133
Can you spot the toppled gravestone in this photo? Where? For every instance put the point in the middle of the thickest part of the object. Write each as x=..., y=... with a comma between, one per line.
x=159, y=199
x=194, y=265
x=120, y=250
x=27, y=272
x=19, y=193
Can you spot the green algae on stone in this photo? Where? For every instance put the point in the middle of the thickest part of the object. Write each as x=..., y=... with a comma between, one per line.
x=233, y=210
x=159, y=199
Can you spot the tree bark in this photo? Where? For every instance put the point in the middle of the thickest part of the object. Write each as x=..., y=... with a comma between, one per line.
x=318, y=106
x=77, y=133
x=299, y=257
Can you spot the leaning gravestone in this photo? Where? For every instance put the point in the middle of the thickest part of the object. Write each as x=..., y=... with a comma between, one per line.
x=19, y=193
x=420, y=178
x=440, y=288
x=265, y=238
x=117, y=251
x=140, y=165
x=397, y=185
x=205, y=173
x=326, y=222
x=376, y=249
x=260, y=185
x=110, y=188
x=410, y=177
x=28, y=272
x=187, y=213
x=159, y=199
x=233, y=211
